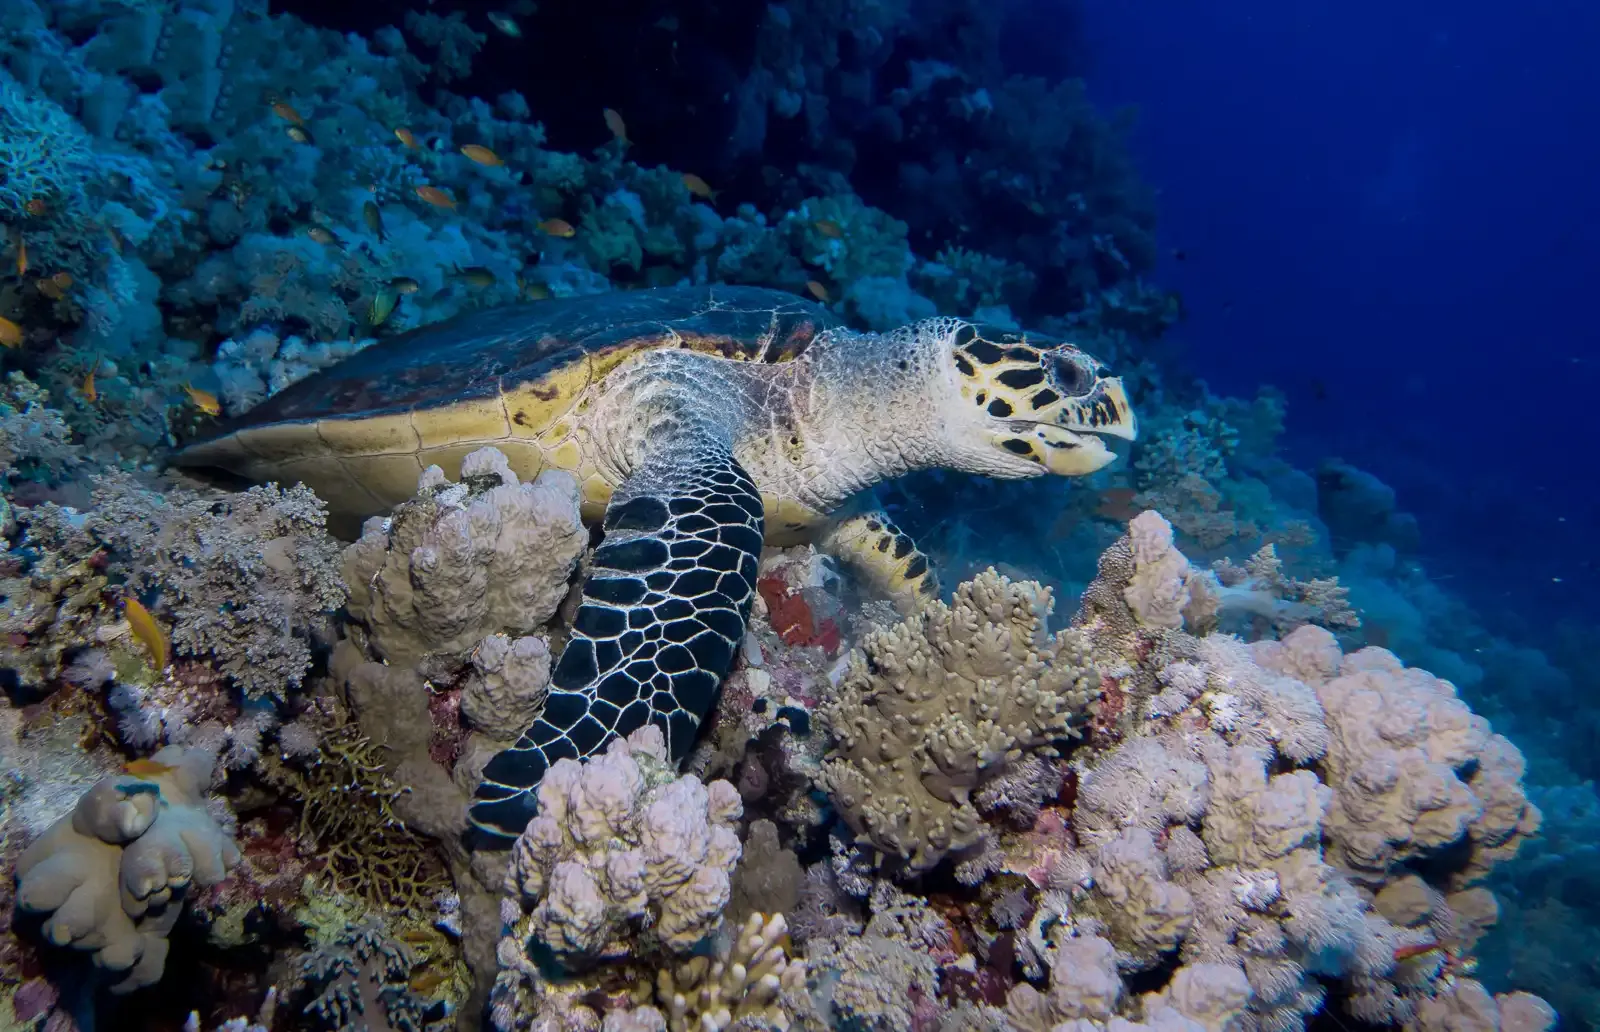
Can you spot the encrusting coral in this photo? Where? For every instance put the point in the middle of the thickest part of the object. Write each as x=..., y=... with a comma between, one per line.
x=461, y=561
x=934, y=708
x=111, y=877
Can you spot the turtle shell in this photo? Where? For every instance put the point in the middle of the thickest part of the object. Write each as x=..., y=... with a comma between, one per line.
x=362, y=431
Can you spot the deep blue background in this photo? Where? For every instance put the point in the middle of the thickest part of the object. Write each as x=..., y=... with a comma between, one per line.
x=1390, y=211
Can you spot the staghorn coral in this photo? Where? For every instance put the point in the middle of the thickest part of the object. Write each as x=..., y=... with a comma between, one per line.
x=487, y=555
x=624, y=856
x=749, y=982
x=112, y=876
x=359, y=981
x=932, y=709
x=347, y=816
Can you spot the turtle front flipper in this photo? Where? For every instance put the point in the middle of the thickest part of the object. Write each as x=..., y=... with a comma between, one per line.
x=664, y=608
x=885, y=557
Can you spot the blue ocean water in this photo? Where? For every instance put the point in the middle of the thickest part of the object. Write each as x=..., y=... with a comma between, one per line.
x=1388, y=212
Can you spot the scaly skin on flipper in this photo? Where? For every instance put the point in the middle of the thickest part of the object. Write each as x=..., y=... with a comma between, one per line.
x=664, y=607
x=885, y=557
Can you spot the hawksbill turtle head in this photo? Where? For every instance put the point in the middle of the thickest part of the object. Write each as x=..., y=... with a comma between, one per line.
x=1043, y=404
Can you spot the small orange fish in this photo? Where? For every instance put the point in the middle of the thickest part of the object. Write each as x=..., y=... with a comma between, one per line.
x=37, y=206
x=55, y=287
x=205, y=401
x=147, y=768
x=87, y=388
x=437, y=197
x=1416, y=949
x=147, y=630
x=699, y=187
x=619, y=129
x=22, y=257
x=287, y=113
x=417, y=936
x=817, y=290
x=558, y=228
x=482, y=155
x=10, y=333
x=828, y=228
x=425, y=982
x=405, y=136
x=537, y=292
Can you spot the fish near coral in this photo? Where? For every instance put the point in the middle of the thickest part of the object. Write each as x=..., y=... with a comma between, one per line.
x=817, y=290
x=693, y=380
x=475, y=276
x=373, y=218
x=148, y=631
x=383, y=303
x=322, y=235
x=87, y=387
x=10, y=333
x=698, y=187
x=828, y=228
x=22, y=257
x=437, y=197
x=205, y=401
x=287, y=113
x=619, y=129
x=37, y=207
x=406, y=137
x=482, y=155
x=557, y=228
x=55, y=287
x=405, y=285
x=505, y=25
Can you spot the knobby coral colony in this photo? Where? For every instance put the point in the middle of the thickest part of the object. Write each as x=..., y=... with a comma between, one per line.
x=240, y=753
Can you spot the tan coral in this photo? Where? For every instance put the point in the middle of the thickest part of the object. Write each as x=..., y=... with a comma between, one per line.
x=112, y=875
x=507, y=685
x=488, y=555
x=1401, y=740
x=932, y=708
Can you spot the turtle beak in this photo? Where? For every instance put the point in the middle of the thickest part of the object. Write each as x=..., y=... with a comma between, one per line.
x=1105, y=409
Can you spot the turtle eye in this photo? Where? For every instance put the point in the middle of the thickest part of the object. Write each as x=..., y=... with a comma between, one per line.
x=1072, y=378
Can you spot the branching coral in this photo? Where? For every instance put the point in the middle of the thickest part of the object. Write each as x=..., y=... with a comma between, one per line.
x=245, y=577
x=933, y=708
x=347, y=816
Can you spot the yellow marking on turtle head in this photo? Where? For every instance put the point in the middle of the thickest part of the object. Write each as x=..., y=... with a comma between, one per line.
x=1044, y=402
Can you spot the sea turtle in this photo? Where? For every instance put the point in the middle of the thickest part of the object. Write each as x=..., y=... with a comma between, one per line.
x=698, y=421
